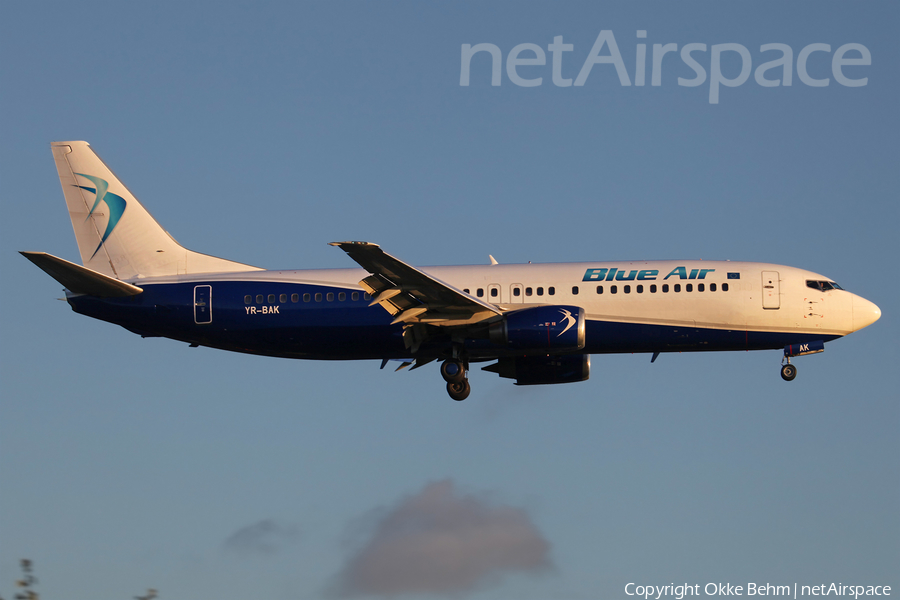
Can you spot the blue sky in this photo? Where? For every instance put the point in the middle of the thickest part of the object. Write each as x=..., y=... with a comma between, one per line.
x=262, y=131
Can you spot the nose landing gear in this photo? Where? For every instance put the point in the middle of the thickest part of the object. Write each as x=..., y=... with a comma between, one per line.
x=454, y=373
x=788, y=372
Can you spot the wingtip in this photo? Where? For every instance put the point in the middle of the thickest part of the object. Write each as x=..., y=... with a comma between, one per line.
x=352, y=243
x=32, y=256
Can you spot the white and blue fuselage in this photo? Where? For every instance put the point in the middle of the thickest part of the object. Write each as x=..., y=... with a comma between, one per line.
x=640, y=306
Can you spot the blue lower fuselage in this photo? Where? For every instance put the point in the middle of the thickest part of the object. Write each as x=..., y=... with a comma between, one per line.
x=289, y=322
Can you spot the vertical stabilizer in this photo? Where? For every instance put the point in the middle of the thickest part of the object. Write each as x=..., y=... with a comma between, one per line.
x=116, y=235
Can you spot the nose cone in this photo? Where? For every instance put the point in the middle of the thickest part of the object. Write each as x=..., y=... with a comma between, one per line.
x=864, y=313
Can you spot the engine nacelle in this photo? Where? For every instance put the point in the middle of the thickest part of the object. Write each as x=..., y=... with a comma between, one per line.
x=541, y=329
x=538, y=370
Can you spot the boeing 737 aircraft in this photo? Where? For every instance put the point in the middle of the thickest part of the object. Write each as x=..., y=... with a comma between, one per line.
x=535, y=323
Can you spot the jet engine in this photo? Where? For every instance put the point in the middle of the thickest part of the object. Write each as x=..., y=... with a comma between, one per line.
x=537, y=370
x=540, y=329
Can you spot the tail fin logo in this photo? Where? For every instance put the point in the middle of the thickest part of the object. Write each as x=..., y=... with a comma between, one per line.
x=115, y=203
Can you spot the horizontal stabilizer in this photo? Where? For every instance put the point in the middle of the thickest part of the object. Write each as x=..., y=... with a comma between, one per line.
x=81, y=280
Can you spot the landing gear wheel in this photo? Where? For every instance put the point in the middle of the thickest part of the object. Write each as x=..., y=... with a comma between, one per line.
x=453, y=372
x=459, y=390
x=788, y=372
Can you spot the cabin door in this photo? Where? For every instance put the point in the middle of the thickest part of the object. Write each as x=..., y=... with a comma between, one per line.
x=202, y=304
x=771, y=292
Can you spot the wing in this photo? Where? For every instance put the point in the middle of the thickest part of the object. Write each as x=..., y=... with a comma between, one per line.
x=412, y=296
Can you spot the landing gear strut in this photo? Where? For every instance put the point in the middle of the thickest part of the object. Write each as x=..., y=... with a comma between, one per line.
x=453, y=371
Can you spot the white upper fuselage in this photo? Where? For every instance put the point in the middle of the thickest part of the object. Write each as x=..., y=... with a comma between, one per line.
x=690, y=293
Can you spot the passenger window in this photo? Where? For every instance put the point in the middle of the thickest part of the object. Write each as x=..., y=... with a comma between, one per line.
x=700, y=287
x=306, y=297
x=318, y=296
x=248, y=299
x=479, y=292
x=342, y=296
x=599, y=289
x=259, y=298
x=627, y=289
x=295, y=297
x=366, y=296
x=689, y=287
x=724, y=287
x=665, y=288
x=494, y=292
x=551, y=290
x=613, y=289
x=712, y=287
x=640, y=289
x=282, y=298
x=466, y=290
x=540, y=291
x=653, y=289
x=271, y=298
x=574, y=290
x=354, y=296
x=527, y=291
x=677, y=287
x=517, y=292
x=330, y=296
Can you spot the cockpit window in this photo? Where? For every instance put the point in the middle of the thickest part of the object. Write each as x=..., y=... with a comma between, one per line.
x=822, y=286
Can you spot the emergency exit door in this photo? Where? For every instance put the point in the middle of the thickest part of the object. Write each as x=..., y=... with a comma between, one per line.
x=494, y=293
x=516, y=293
x=771, y=290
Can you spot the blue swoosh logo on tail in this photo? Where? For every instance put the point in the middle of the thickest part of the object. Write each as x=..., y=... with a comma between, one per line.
x=114, y=202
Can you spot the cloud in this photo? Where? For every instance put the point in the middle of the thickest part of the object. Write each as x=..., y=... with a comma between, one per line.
x=263, y=538
x=440, y=542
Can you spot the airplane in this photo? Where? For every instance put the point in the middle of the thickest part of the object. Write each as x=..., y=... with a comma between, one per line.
x=535, y=323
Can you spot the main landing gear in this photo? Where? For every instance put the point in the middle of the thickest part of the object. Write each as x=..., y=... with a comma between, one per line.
x=453, y=371
x=788, y=371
